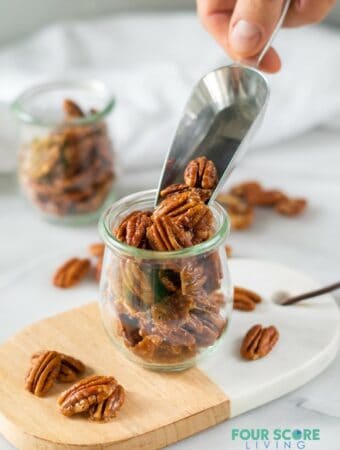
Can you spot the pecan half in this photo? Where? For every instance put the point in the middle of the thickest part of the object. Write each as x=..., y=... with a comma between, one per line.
x=166, y=235
x=72, y=110
x=248, y=191
x=133, y=229
x=71, y=272
x=204, y=194
x=107, y=410
x=199, y=219
x=70, y=368
x=291, y=206
x=258, y=342
x=245, y=299
x=240, y=213
x=87, y=392
x=201, y=173
x=96, y=250
x=176, y=205
x=43, y=373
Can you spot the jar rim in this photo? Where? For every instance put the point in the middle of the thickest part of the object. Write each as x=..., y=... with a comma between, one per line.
x=128, y=250
x=20, y=111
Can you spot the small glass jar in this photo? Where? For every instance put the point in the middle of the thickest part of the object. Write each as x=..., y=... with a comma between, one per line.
x=66, y=165
x=164, y=310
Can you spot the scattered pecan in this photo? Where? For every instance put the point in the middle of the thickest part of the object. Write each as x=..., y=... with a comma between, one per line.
x=107, y=410
x=72, y=110
x=166, y=235
x=193, y=279
x=258, y=342
x=245, y=299
x=268, y=198
x=133, y=229
x=70, y=367
x=97, y=250
x=291, y=206
x=87, y=392
x=248, y=191
x=71, y=272
x=201, y=173
x=170, y=279
x=199, y=219
x=240, y=213
x=43, y=373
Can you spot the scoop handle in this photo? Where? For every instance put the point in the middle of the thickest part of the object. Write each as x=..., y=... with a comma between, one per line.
x=274, y=33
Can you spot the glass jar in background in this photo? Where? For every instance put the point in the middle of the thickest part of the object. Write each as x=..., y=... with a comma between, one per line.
x=164, y=310
x=66, y=165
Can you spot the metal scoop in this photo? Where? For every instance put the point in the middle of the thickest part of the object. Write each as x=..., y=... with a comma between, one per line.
x=222, y=114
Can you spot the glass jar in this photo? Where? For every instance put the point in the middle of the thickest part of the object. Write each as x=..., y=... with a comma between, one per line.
x=66, y=165
x=164, y=310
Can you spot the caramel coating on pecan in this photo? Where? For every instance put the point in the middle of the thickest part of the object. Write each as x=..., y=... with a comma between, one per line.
x=177, y=205
x=166, y=235
x=245, y=299
x=201, y=173
x=248, y=191
x=258, y=342
x=133, y=229
x=87, y=392
x=107, y=410
x=43, y=373
x=72, y=110
x=71, y=272
x=70, y=367
x=291, y=206
x=97, y=249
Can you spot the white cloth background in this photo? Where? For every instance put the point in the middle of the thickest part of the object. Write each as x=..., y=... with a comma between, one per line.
x=151, y=63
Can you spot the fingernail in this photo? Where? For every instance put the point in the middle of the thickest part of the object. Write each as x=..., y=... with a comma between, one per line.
x=244, y=36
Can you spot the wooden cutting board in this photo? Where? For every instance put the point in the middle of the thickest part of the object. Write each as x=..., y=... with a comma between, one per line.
x=160, y=408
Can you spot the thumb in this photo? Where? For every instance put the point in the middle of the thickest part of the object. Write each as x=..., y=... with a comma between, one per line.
x=251, y=25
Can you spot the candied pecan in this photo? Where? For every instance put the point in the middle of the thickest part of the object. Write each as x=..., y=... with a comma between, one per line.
x=170, y=279
x=291, y=206
x=133, y=229
x=71, y=272
x=43, y=373
x=201, y=173
x=258, y=342
x=245, y=299
x=173, y=308
x=177, y=204
x=107, y=410
x=248, y=191
x=166, y=235
x=70, y=367
x=193, y=279
x=204, y=194
x=240, y=213
x=268, y=198
x=87, y=392
x=97, y=250
x=72, y=110
x=129, y=329
x=136, y=279
x=212, y=302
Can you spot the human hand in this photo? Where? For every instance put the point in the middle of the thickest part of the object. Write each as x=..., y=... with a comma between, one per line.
x=243, y=27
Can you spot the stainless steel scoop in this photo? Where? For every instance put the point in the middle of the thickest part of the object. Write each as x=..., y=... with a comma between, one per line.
x=220, y=117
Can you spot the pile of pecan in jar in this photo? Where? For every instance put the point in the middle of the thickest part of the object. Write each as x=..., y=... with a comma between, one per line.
x=167, y=313
x=70, y=170
x=97, y=396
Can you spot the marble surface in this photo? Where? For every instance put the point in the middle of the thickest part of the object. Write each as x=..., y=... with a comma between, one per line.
x=307, y=166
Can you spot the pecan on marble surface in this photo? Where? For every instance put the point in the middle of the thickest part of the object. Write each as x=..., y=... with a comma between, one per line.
x=43, y=373
x=258, y=342
x=87, y=392
x=201, y=173
x=245, y=299
x=132, y=230
x=71, y=272
x=107, y=409
x=177, y=205
x=291, y=206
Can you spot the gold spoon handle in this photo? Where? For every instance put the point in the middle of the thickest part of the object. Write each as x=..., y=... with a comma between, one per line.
x=311, y=294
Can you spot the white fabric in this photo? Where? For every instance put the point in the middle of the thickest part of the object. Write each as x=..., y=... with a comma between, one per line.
x=151, y=63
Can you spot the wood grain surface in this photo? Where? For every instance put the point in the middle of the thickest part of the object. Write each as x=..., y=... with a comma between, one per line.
x=160, y=408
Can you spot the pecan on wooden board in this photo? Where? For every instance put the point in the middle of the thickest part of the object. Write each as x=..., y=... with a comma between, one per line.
x=87, y=392
x=43, y=373
x=258, y=342
x=71, y=272
x=107, y=410
x=201, y=173
x=132, y=230
x=70, y=367
x=245, y=299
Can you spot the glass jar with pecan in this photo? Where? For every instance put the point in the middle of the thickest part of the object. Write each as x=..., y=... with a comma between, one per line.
x=66, y=165
x=164, y=309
